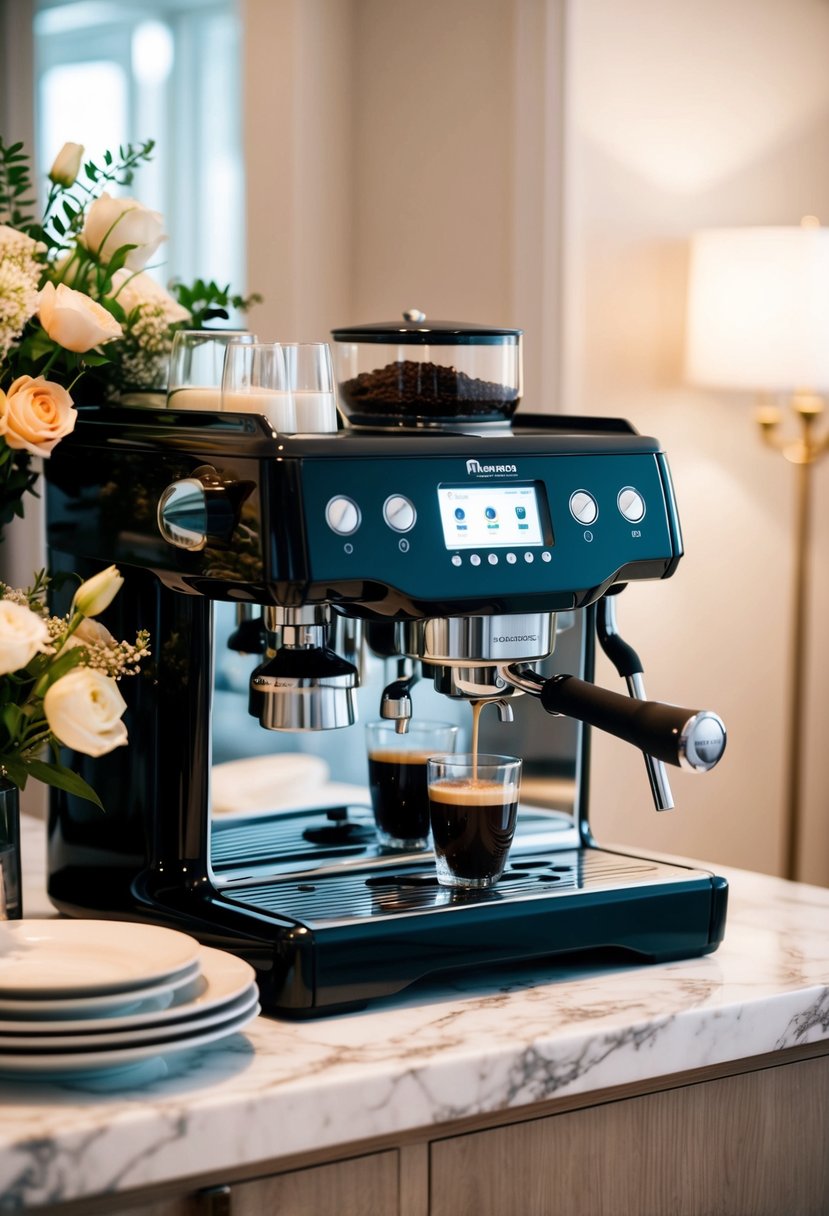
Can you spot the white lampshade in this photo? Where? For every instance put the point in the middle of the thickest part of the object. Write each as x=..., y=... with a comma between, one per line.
x=758, y=309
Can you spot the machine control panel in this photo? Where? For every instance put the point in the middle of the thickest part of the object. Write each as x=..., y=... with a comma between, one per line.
x=445, y=526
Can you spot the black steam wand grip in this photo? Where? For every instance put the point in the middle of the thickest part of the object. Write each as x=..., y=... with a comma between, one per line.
x=692, y=739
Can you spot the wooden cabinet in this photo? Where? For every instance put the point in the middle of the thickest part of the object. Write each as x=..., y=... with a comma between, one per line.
x=727, y=1141
x=755, y=1143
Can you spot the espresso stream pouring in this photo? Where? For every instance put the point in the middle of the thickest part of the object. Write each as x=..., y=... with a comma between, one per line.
x=473, y=559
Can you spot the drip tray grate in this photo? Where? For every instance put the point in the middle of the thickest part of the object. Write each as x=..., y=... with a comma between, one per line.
x=335, y=898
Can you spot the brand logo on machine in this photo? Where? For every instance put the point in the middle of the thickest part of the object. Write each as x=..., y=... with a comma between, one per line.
x=517, y=637
x=474, y=467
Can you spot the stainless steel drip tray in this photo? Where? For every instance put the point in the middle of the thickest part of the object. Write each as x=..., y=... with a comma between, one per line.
x=244, y=849
x=330, y=899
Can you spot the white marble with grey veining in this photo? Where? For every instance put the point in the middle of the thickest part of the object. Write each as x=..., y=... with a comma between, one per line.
x=473, y=1046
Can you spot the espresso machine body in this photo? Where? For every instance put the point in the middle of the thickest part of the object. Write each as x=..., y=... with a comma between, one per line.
x=463, y=543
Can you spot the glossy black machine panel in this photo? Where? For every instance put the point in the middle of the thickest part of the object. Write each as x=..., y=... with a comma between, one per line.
x=196, y=508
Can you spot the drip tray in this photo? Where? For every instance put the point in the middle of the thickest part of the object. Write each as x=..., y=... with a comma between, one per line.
x=291, y=841
x=332, y=898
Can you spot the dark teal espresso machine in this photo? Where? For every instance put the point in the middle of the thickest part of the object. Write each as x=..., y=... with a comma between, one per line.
x=384, y=533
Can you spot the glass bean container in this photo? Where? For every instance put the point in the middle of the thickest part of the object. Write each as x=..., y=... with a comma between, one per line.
x=421, y=373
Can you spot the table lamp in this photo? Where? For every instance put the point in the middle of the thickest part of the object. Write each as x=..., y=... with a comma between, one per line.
x=758, y=318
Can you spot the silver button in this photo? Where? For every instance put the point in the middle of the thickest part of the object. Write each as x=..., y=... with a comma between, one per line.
x=399, y=512
x=546, y=557
x=511, y=558
x=457, y=560
x=529, y=558
x=631, y=504
x=493, y=559
x=583, y=507
x=342, y=515
x=474, y=560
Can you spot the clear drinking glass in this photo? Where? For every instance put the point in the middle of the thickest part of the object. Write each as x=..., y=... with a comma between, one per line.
x=311, y=381
x=196, y=362
x=473, y=804
x=397, y=779
x=254, y=382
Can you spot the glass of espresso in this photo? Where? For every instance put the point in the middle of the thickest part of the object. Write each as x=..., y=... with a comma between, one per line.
x=397, y=779
x=473, y=803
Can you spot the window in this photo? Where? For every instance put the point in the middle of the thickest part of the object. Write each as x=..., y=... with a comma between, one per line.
x=109, y=73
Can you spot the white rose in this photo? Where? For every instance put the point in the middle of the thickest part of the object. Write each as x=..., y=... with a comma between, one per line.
x=134, y=290
x=113, y=222
x=73, y=320
x=66, y=164
x=98, y=592
x=22, y=635
x=84, y=709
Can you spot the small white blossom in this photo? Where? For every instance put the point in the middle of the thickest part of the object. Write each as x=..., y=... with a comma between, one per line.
x=20, y=271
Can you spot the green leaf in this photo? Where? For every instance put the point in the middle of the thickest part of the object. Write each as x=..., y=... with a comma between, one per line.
x=16, y=771
x=62, y=778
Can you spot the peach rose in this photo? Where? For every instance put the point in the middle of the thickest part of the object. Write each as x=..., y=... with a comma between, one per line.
x=75, y=321
x=35, y=414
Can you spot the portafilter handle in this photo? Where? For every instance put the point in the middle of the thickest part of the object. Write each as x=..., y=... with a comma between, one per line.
x=689, y=738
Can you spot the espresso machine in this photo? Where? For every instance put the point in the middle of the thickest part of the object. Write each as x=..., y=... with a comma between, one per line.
x=457, y=554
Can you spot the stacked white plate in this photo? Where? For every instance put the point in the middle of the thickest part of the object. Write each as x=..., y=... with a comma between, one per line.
x=84, y=996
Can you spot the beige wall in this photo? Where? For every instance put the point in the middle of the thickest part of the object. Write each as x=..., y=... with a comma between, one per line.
x=406, y=155
x=681, y=116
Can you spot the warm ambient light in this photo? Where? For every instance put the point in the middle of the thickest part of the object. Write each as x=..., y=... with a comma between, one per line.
x=758, y=318
x=758, y=308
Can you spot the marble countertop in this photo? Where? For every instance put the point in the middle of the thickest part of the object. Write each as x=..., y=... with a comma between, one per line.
x=474, y=1046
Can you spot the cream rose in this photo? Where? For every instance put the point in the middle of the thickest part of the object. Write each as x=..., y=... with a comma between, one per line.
x=35, y=414
x=89, y=633
x=113, y=222
x=84, y=709
x=75, y=321
x=66, y=164
x=23, y=634
x=140, y=290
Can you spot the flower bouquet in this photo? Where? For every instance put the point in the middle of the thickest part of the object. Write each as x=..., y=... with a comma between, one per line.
x=58, y=688
x=75, y=300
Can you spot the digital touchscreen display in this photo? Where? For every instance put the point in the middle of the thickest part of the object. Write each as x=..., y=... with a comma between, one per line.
x=490, y=517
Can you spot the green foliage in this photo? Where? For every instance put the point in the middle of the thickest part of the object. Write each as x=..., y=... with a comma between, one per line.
x=16, y=189
x=209, y=302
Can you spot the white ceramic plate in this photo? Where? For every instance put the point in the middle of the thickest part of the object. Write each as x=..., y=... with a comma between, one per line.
x=223, y=979
x=75, y=1063
x=47, y=1045
x=157, y=996
x=72, y=958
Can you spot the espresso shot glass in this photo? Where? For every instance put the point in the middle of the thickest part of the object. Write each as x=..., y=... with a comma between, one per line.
x=397, y=779
x=473, y=806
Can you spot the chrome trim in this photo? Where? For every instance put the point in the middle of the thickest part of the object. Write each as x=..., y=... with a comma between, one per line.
x=702, y=742
x=469, y=641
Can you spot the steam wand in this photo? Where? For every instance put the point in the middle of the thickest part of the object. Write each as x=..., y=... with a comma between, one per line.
x=629, y=666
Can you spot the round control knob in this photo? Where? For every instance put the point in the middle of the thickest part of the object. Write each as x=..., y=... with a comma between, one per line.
x=342, y=515
x=631, y=504
x=196, y=510
x=583, y=507
x=399, y=513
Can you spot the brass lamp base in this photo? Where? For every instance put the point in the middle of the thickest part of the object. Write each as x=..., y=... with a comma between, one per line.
x=803, y=452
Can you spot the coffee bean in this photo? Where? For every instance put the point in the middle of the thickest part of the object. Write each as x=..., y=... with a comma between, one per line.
x=426, y=390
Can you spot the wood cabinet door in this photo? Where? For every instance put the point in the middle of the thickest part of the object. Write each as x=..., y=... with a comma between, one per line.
x=756, y=1143
x=364, y=1186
